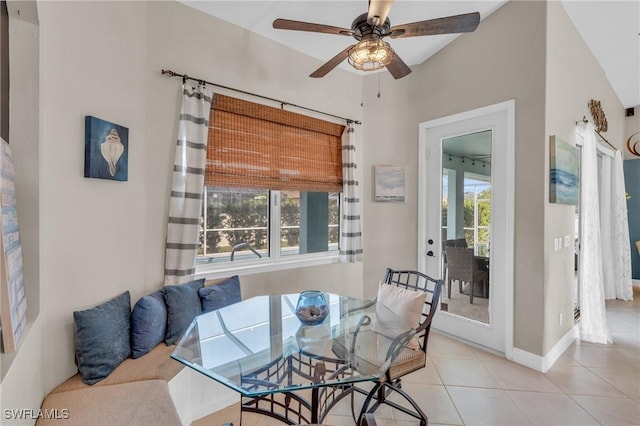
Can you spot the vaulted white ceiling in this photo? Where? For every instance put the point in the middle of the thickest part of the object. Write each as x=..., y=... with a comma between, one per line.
x=610, y=28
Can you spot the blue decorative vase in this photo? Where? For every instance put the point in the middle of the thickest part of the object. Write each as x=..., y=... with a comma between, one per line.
x=312, y=307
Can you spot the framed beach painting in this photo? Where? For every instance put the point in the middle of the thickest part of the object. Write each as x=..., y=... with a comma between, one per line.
x=389, y=183
x=106, y=149
x=13, y=299
x=563, y=172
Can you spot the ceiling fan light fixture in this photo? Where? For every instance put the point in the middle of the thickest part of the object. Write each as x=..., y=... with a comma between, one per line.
x=370, y=54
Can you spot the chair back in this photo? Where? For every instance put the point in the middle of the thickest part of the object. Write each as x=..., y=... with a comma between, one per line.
x=460, y=262
x=417, y=281
x=458, y=242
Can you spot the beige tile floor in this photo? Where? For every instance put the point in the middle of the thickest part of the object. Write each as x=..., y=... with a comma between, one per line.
x=589, y=385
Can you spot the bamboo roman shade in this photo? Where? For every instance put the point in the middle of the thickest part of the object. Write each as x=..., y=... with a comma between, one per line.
x=260, y=147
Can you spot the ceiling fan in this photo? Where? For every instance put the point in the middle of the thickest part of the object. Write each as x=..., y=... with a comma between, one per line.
x=371, y=52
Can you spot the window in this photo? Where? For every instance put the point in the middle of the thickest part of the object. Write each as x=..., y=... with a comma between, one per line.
x=477, y=214
x=272, y=186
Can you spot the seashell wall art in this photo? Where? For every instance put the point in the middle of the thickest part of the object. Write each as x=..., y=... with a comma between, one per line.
x=106, y=149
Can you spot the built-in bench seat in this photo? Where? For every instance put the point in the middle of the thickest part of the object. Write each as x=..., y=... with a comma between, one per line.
x=135, y=393
x=155, y=365
x=146, y=402
x=152, y=389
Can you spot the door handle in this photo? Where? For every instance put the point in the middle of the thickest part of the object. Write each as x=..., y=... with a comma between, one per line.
x=430, y=253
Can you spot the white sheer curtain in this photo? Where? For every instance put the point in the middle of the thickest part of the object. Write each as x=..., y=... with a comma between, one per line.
x=593, y=319
x=621, y=254
x=614, y=229
x=605, y=198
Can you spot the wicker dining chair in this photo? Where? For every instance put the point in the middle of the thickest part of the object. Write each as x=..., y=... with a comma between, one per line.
x=458, y=242
x=462, y=267
x=408, y=360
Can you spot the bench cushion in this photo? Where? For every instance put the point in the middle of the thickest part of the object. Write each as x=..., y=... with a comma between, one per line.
x=157, y=364
x=141, y=403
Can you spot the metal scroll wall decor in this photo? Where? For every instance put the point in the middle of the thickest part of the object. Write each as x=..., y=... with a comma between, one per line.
x=599, y=119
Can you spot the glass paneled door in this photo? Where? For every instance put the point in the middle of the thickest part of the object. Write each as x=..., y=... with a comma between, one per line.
x=466, y=222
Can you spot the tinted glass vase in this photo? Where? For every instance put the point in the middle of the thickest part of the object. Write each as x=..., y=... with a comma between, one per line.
x=312, y=307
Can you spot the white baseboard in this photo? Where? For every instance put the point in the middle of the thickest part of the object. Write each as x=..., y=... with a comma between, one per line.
x=196, y=396
x=544, y=363
x=635, y=283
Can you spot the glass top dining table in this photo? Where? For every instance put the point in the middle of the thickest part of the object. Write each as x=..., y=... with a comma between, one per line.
x=260, y=348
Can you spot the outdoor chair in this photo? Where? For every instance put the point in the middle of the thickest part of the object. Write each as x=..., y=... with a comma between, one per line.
x=458, y=242
x=463, y=267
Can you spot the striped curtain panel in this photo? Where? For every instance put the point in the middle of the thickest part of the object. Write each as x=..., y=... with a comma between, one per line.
x=350, y=234
x=185, y=203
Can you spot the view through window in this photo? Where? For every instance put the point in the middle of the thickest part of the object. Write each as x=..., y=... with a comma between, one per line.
x=476, y=212
x=235, y=224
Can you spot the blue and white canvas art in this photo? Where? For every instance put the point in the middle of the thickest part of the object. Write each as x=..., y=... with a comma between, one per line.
x=563, y=172
x=106, y=149
x=389, y=183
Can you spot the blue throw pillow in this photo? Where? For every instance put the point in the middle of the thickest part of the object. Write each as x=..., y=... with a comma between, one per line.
x=220, y=295
x=183, y=305
x=102, y=338
x=148, y=323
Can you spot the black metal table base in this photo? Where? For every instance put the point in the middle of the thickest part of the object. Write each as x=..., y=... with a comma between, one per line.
x=293, y=407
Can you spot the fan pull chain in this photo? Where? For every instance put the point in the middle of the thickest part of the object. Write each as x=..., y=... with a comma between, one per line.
x=378, y=85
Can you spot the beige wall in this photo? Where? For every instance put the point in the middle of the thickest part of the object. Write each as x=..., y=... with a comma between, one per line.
x=92, y=231
x=483, y=68
x=573, y=78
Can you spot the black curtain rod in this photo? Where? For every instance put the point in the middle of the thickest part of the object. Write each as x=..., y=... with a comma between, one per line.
x=185, y=77
x=585, y=121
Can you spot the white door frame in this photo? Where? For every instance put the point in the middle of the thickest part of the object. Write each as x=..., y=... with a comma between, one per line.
x=506, y=156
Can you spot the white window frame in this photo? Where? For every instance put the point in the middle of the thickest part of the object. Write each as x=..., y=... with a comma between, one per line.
x=275, y=262
x=477, y=227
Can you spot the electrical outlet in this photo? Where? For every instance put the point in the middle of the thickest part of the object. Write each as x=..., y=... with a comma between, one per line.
x=567, y=241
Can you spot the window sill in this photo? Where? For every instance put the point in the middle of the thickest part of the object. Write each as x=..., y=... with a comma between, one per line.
x=221, y=271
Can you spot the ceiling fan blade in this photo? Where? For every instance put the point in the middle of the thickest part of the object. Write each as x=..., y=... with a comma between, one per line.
x=378, y=11
x=397, y=67
x=465, y=23
x=286, y=24
x=331, y=64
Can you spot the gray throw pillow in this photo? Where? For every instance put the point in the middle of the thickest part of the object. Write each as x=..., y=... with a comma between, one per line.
x=220, y=295
x=183, y=305
x=102, y=338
